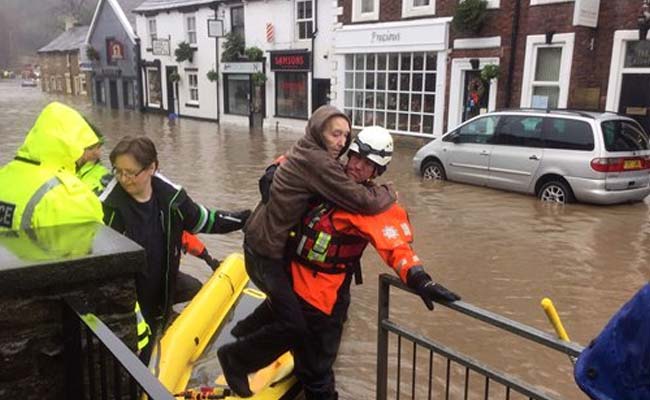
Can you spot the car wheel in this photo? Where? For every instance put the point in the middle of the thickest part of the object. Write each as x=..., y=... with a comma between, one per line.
x=556, y=192
x=433, y=171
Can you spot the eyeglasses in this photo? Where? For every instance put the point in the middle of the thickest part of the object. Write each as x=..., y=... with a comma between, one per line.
x=365, y=149
x=119, y=173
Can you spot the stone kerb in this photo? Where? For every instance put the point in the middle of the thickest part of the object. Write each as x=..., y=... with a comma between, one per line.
x=38, y=268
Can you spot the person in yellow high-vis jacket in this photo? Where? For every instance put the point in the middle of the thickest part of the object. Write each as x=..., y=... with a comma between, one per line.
x=38, y=188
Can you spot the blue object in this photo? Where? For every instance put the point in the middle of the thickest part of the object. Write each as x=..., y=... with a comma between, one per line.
x=616, y=365
x=172, y=116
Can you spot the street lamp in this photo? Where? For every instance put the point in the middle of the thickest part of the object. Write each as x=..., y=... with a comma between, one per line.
x=643, y=20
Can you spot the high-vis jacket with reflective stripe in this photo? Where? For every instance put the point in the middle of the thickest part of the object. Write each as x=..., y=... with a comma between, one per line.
x=39, y=187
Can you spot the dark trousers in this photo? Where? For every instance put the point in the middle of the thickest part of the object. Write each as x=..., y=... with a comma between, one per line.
x=284, y=331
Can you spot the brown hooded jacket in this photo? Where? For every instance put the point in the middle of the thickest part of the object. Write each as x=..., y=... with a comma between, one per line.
x=307, y=172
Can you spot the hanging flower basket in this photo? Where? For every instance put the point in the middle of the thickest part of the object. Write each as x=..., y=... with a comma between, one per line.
x=489, y=72
x=92, y=53
x=469, y=16
x=212, y=75
x=174, y=77
x=258, y=79
x=184, y=52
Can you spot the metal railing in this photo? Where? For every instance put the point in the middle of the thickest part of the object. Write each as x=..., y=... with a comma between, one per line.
x=98, y=365
x=452, y=360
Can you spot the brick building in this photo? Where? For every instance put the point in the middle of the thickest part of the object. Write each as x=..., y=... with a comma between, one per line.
x=59, y=61
x=399, y=63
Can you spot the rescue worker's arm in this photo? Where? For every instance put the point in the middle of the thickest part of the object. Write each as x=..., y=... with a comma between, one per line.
x=70, y=202
x=197, y=218
x=328, y=179
x=390, y=233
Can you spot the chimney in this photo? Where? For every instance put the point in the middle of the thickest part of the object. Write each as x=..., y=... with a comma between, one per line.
x=70, y=22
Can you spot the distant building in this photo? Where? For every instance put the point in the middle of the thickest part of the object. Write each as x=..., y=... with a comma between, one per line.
x=59, y=61
x=114, y=55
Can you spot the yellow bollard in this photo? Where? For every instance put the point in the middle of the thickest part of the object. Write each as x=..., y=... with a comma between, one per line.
x=554, y=318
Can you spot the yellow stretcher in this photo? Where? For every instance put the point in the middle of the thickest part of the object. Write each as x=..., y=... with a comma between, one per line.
x=187, y=337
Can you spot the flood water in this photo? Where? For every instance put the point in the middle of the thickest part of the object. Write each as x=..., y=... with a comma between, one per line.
x=500, y=251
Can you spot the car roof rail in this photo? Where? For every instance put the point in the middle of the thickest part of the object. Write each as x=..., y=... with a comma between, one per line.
x=581, y=113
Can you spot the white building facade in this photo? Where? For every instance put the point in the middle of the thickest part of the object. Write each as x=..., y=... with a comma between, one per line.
x=179, y=88
x=296, y=38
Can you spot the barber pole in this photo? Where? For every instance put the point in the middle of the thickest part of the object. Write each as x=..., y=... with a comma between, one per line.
x=270, y=33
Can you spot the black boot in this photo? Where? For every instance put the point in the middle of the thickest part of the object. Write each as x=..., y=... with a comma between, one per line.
x=235, y=375
x=261, y=316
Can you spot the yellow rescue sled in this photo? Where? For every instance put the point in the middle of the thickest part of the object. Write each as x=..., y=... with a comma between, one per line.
x=188, y=336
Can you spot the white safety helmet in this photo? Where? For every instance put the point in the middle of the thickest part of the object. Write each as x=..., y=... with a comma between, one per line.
x=376, y=144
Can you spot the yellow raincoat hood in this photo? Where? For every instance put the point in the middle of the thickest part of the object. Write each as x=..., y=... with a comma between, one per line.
x=58, y=138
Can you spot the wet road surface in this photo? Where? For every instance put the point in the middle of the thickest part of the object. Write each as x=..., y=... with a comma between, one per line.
x=500, y=251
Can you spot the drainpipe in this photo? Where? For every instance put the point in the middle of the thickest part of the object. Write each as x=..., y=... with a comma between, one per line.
x=138, y=68
x=313, y=51
x=513, y=50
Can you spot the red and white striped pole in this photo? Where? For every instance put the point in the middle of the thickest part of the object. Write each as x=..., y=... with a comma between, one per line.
x=270, y=33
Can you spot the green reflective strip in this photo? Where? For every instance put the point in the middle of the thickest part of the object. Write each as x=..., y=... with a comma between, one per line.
x=204, y=217
x=313, y=256
x=142, y=343
x=213, y=217
x=322, y=242
x=26, y=221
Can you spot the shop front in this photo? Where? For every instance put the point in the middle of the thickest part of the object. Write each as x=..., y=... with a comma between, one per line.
x=393, y=74
x=291, y=69
x=241, y=96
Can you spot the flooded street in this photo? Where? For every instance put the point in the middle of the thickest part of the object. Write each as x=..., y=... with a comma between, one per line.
x=500, y=251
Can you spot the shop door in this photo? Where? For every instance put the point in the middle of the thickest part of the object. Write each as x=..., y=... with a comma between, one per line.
x=635, y=98
x=321, y=93
x=475, y=95
x=112, y=92
x=257, y=105
x=171, y=99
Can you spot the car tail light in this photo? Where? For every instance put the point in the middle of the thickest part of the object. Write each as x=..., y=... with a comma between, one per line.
x=620, y=164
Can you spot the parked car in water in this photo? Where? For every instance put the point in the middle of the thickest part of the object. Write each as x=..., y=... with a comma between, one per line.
x=558, y=155
x=28, y=82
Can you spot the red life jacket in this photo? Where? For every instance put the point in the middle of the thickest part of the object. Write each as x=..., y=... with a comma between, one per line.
x=319, y=246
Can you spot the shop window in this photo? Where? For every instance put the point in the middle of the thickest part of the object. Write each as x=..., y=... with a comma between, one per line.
x=154, y=94
x=190, y=27
x=396, y=90
x=152, y=30
x=237, y=21
x=415, y=8
x=291, y=94
x=237, y=93
x=193, y=87
x=365, y=10
x=304, y=18
x=100, y=95
x=547, y=70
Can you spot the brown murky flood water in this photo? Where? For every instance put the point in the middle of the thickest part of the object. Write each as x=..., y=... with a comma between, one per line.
x=501, y=251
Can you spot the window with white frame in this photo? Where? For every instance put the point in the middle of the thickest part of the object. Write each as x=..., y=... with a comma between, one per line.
x=304, y=18
x=415, y=8
x=193, y=87
x=394, y=90
x=152, y=30
x=540, y=2
x=366, y=10
x=190, y=27
x=237, y=21
x=154, y=93
x=82, y=84
x=547, y=70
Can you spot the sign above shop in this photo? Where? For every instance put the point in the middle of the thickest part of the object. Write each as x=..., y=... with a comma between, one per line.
x=160, y=47
x=585, y=13
x=429, y=34
x=242, y=67
x=115, y=50
x=290, y=61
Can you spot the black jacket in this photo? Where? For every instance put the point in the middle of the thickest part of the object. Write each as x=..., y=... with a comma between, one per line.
x=178, y=213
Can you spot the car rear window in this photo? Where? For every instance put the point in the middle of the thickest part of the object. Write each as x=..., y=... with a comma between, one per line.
x=568, y=134
x=621, y=135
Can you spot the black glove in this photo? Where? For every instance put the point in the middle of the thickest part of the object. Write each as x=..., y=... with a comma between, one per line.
x=228, y=221
x=212, y=262
x=429, y=291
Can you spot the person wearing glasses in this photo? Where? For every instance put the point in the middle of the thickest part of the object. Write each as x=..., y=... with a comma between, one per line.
x=38, y=188
x=325, y=254
x=152, y=211
x=310, y=169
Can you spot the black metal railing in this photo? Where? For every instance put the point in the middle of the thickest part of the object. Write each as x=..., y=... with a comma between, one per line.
x=98, y=365
x=436, y=356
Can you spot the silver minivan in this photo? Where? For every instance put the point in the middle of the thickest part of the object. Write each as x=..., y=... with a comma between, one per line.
x=557, y=155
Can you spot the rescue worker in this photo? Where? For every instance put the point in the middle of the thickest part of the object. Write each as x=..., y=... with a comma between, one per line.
x=325, y=256
x=152, y=211
x=311, y=168
x=38, y=187
x=89, y=167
